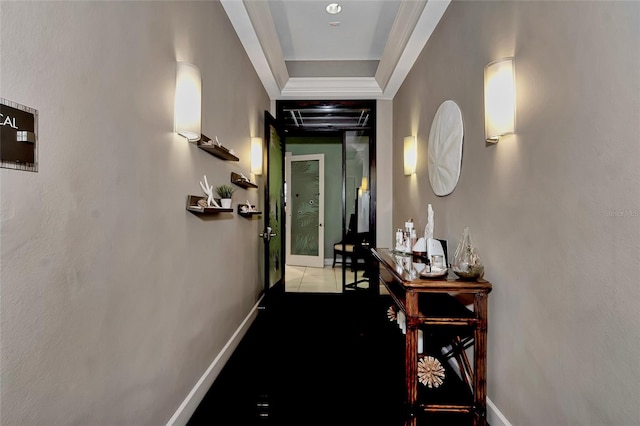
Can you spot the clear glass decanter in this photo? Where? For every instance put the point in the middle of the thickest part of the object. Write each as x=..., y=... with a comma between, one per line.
x=466, y=262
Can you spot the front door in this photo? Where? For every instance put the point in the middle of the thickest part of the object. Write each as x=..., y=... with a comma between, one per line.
x=274, y=219
x=305, y=210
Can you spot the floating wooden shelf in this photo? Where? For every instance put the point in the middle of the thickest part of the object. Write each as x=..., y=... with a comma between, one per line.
x=238, y=180
x=246, y=214
x=193, y=207
x=218, y=151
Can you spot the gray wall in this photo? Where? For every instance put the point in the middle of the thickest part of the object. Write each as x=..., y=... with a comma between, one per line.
x=554, y=210
x=114, y=298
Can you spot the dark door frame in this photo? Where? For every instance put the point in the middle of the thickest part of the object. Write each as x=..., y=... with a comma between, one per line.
x=292, y=127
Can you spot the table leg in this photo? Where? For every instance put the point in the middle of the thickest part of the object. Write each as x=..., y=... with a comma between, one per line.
x=480, y=359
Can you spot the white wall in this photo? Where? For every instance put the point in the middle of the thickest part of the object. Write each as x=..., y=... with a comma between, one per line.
x=384, y=166
x=554, y=210
x=114, y=298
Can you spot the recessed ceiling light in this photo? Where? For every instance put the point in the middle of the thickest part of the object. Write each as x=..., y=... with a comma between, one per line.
x=334, y=8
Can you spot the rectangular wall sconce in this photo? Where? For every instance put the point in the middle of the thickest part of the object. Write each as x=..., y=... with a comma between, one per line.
x=499, y=99
x=256, y=156
x=188, y=101
x=410, y=155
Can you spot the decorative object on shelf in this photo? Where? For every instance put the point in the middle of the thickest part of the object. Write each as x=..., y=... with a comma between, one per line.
x=225, y=192
x=428, y=229
x=391, y=314
x=215, y=148
x=188, y=101
x=430, y=372
x=205, y=140
x=419, y=249
x=208, y=190
x=247, y=209
x=499, y=99
x=466, y=262
x=242, y=181
x=445, y=148
x=198, y=205
x=433, y=272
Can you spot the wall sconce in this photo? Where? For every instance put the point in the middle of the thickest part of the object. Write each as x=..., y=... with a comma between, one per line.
x=256, y=156
x=188, y=101
x=410, y=155
x=364, y=184
x=499, y=99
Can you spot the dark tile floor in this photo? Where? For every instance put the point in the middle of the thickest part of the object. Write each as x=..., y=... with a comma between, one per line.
x=314, y=359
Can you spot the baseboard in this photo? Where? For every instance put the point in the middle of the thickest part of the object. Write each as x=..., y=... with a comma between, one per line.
x=193, y=399
x=495, y=416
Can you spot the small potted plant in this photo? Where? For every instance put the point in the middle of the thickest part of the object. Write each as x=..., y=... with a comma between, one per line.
x=225, y=192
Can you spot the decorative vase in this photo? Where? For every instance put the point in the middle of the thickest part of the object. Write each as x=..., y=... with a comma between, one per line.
x=466, y=262
x=225, y=203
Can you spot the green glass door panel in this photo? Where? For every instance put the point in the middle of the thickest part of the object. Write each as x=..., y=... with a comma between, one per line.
x=305, y=214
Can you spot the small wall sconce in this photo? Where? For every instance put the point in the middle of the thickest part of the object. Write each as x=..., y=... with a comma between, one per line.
x=499, y=99
x=364, y=184
x=410, y=155
x=256, y=156
x=188, y=101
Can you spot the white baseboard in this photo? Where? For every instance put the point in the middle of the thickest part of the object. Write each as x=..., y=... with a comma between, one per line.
x=193, y=399
x=495, y=416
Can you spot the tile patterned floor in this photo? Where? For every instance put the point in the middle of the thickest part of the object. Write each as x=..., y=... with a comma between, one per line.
x=301, y=279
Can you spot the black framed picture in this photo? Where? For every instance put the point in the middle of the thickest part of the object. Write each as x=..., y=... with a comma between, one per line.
x=18, y=136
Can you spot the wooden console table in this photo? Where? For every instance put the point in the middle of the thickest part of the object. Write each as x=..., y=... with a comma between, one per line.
x=437, y=309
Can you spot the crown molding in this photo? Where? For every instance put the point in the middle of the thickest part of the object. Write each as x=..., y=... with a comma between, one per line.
x=331, y=88
x=403, y=28
x=431, y=14
x=407, y=39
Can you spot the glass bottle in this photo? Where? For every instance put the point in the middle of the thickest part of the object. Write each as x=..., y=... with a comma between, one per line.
x=466, y=262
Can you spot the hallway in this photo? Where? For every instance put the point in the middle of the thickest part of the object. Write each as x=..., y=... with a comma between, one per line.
x=315, y=359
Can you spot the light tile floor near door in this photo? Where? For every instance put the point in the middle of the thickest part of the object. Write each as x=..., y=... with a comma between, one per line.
x=301, y=279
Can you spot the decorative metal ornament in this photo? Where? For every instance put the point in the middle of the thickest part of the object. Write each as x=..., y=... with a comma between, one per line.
x=430, y=372
x=391, y=314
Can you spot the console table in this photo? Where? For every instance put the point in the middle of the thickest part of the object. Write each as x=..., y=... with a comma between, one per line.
x=437, y=309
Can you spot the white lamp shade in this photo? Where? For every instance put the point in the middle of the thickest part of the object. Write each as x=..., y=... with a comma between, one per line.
x=499, y=99
x=410, y=155
x=256, y=156
x=188, y=101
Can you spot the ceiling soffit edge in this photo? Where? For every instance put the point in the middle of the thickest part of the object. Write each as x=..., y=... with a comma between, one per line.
x=426, y=25
x=259, y=39
x=239, y=18
x=260, y=15
x=403, y=27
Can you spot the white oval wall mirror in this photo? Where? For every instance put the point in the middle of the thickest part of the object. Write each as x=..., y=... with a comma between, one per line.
x=445, y=148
